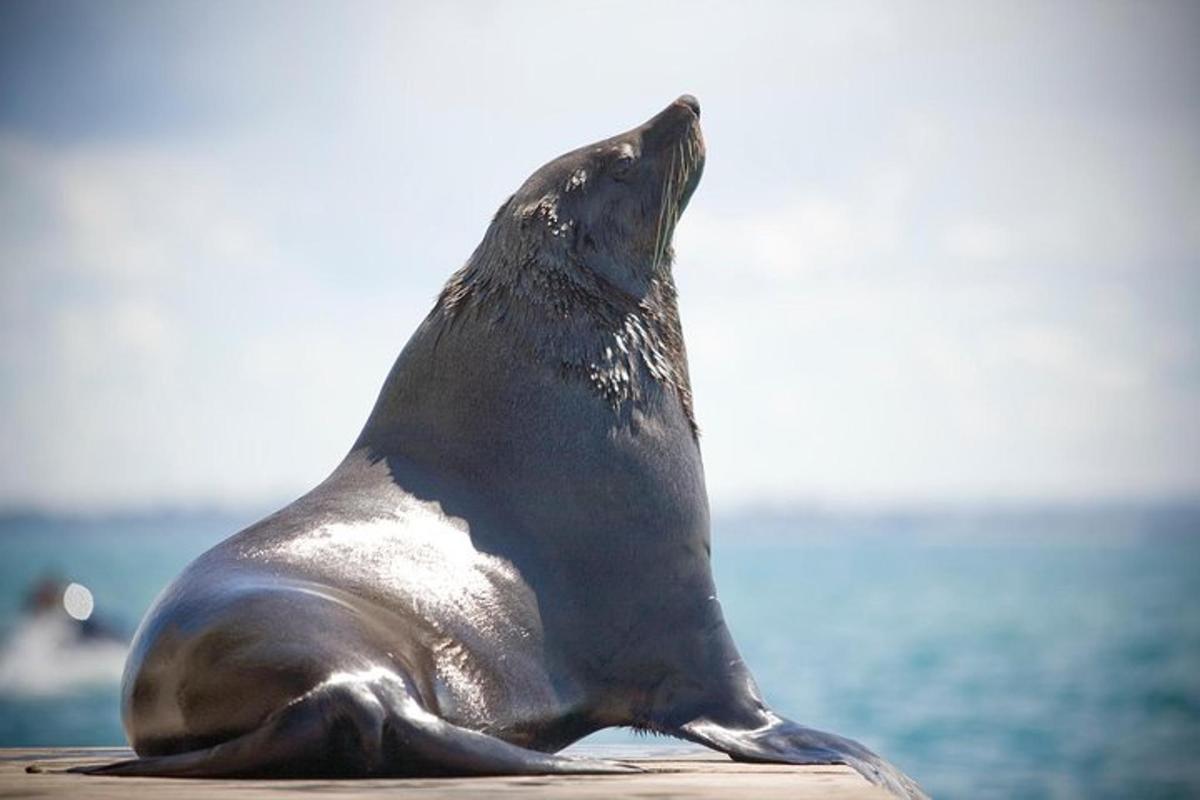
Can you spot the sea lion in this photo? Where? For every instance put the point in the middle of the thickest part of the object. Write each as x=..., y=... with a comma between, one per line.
x=515, y=552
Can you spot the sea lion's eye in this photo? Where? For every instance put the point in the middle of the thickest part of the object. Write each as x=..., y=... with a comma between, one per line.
x=622, y=164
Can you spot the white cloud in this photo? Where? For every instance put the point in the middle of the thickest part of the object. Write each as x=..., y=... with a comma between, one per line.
x=128, y=334
x=155, y=319
x=814, y=235
x=978, y=240
x=863, y=339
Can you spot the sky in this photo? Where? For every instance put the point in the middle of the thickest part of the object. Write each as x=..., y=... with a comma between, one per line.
x=942, y=252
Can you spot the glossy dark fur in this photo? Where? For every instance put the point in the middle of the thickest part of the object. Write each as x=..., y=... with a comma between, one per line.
x=514, y=554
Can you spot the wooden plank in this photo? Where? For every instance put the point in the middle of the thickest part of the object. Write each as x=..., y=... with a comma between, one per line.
x=671, y=773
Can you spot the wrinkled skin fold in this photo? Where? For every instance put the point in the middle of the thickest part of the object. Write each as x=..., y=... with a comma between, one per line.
x=514, y=553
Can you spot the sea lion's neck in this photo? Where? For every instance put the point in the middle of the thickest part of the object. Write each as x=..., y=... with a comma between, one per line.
x=569, y=319
x=509, y=325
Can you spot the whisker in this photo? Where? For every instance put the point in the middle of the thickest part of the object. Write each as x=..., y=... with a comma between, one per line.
x=672, y=193
x=662, y=211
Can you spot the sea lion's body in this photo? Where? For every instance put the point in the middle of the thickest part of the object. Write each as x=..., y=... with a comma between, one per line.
x=447, y=584
x=514, y=554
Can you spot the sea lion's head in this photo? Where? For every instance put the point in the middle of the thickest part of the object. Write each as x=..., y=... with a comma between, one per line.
x=574, y=270
x=609, y=209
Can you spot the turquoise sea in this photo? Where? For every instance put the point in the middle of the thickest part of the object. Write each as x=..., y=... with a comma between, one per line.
x=1017, y=652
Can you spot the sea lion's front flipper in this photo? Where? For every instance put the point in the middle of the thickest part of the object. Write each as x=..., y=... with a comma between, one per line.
x=356, y=727
x=780, y=740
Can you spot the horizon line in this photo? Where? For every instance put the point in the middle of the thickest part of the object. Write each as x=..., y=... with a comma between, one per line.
x=762, y=506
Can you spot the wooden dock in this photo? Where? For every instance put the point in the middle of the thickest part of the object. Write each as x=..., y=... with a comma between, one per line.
x=671, y=772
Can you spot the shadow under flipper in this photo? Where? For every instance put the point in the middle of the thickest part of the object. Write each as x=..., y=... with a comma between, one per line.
x=781, y=741
x=368, y=726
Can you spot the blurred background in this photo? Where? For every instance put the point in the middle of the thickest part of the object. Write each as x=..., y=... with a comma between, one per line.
x=940, y=287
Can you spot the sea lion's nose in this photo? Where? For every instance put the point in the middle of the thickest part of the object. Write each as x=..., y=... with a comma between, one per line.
x=665, y=128
x=691, y=102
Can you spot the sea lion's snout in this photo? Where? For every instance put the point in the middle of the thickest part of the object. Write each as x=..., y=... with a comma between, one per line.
x=690, y=102
x=609, y=209
x=673, y=136
x=679, y=120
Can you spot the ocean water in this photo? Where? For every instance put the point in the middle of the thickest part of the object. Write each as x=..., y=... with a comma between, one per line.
x=1011, y=653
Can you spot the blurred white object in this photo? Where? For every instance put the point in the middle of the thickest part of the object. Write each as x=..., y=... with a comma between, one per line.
x=45, y=655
